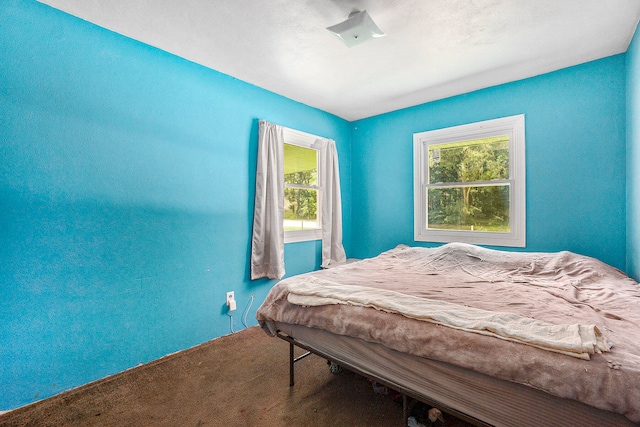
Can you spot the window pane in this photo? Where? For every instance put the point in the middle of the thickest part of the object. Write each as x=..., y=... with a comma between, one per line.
x=483, y=208
x=300, y=209
x=468, y=161
x=300, y=165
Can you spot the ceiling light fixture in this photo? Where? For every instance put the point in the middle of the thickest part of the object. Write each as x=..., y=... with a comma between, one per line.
x=357, y=29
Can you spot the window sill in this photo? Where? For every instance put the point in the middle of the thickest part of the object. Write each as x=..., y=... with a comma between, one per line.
x=302, y=236
x=478, y=238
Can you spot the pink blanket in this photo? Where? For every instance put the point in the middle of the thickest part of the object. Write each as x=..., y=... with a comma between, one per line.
x=559, y=289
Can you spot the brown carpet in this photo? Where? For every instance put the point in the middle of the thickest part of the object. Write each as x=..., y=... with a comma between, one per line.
x=237, y=380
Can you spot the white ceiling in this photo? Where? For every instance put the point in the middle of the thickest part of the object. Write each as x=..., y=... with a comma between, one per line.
x=433, y=49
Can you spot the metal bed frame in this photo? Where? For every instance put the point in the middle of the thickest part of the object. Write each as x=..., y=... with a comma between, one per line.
x=404, y=391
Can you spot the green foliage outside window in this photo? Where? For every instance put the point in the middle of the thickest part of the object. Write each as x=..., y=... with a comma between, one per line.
x=302, y=203
x=467, y=188
x=301, y=192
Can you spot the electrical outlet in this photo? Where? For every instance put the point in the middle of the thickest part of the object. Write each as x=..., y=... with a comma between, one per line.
x=230, y=297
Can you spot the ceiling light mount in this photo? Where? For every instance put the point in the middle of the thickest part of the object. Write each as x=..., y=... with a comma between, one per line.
x=357, y=29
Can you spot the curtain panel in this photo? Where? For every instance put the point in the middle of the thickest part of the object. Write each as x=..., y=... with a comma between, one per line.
x=332, y=250
x=267, y=242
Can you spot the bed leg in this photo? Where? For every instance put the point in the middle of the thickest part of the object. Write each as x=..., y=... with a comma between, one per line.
x=291, y=361
x=405, y=414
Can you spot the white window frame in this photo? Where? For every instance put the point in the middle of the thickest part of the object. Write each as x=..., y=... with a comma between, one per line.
x=306, y=140
x=512, y=126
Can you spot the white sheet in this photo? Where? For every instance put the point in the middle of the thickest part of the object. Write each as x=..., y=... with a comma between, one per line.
x=573, y=340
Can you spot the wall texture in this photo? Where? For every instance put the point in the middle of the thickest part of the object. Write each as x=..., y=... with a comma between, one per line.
x=126, y=185
x=633, y=157
x=575, y=148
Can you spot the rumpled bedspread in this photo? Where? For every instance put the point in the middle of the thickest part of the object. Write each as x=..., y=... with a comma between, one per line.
x=573, y=340
x=562, y=290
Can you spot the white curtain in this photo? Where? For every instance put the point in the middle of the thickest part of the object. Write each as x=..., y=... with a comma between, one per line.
x=332, y=250
x=267, y=242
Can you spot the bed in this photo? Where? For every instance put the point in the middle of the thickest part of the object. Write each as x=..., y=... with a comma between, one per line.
x=497, y=338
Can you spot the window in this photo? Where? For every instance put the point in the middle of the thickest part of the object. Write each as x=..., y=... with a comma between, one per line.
x=301, y=189
x=469, y=183
x=314, y=206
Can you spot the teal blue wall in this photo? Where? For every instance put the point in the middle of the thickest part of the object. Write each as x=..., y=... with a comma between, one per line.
x=127, y=185
x=633, y=157
x=126, y=192
x=575, y=148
